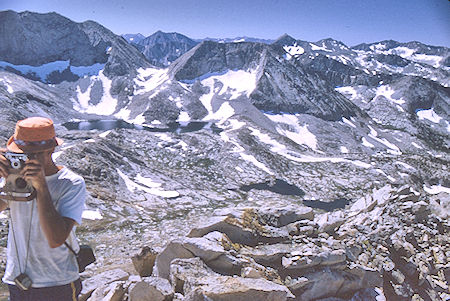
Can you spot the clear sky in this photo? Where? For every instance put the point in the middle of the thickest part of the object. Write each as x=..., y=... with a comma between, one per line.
x=349, y=21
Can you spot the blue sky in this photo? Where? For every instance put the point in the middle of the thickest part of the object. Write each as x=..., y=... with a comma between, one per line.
x=349, y=21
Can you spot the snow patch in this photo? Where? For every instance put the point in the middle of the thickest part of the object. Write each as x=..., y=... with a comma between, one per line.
x=429, y=115
x=314, y=47
x=387, y=91
x=374, y=135
x=104, y=134
x=252, y=159
x=435, y=189
x=56, y=155
x=301, y=135
x=294, y=50
x=224, y=135
x=147, y=181
x=132, y=186
x=283, y=151
x=91, y=214
x=348, y=91
x=387, y=176
x=222, y=114
x=416, y=145
x=344, y=150
x=345, y=120
x=367, y=143
x=236, y=83
x=107, y=104
x=407, y=166
x=149, y=79
x=184, y=116
x=6, y=82
x=433, y=60
x=404, y=52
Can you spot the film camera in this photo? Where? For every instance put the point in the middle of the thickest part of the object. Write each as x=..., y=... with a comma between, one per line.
x=15, y=186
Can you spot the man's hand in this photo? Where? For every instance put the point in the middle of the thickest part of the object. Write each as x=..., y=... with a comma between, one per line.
x=4, y=166
x=34, y=172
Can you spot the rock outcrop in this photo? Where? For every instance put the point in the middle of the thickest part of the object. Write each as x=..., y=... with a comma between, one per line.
x=386, y=246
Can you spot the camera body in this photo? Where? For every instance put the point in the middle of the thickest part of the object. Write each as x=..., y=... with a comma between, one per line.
x=23, y=282
x=15, y=184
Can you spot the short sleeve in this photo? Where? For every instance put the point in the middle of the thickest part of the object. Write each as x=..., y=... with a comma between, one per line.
x=71, y=202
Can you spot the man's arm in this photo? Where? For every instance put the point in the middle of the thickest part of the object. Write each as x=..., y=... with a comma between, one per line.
x=55, y=227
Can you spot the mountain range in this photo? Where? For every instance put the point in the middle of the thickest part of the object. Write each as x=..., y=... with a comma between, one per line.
x=165, y=128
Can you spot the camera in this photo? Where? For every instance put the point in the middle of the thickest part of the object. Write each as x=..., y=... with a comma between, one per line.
x=15, y=184
x=23, y=282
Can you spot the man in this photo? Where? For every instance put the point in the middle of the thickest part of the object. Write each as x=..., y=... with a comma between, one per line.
x=36, y=253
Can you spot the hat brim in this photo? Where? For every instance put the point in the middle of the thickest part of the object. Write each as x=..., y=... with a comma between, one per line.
x=13, y=147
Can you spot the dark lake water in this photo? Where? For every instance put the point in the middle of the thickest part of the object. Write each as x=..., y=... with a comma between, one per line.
x=284, y=188
x=327, y=206
x=175, y=127
x=278, y=186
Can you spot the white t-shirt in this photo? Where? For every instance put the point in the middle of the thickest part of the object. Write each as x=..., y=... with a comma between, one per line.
x=45, y=266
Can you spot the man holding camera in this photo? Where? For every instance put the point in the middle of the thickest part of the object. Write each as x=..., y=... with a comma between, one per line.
x=40, y=266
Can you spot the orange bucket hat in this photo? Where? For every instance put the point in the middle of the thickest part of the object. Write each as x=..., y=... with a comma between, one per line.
x=33, y=135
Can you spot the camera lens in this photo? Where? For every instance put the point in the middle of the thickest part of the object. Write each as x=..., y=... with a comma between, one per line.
x=15, y=164
x=21, y=183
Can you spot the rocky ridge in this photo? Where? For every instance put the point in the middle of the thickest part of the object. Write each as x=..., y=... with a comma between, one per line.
x=33, y=39
x=390, y=245
x=161, y=48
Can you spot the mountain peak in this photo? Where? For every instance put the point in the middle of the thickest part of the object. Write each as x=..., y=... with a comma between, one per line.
x=285, y=39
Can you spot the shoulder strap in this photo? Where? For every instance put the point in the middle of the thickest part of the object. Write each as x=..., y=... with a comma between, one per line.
x=70, y=248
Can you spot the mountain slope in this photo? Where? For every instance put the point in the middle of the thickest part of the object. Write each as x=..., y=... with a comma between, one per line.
x=161, y=49
x=50, y=43
x=278, y=85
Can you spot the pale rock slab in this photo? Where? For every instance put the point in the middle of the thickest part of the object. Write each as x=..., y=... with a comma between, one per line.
x=105, y=278
x=226, y=288
x=114, y=291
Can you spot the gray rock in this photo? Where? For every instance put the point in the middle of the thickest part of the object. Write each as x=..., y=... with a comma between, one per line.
x=336, y=283
x=151, y=289
x=103, y=279
x=183, y=270
x=247, y=230
x=366, y=203
x=279, y=217
x=114, y=291
x=269, y=255
x=173, y=250
x=301, y=262
x=382, y=195
x=235, y=289
x=330, y=222
x=440, y=205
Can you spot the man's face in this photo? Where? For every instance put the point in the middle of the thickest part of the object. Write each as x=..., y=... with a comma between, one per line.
x=41, y=157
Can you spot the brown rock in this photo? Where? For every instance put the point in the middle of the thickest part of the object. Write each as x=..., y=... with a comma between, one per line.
x=144, y=261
